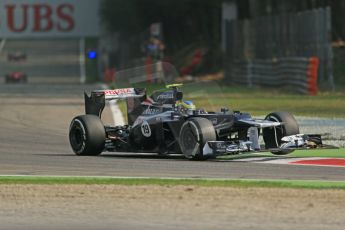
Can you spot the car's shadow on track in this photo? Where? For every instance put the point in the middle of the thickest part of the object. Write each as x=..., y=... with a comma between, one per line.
x=121, y=155
x=55, y=155
x=175, y=157
x=130, y=155
x=150, y=156
x=117, y=155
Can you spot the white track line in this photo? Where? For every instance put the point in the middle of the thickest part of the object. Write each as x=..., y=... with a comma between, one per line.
x=2, y=45
x=82, y=60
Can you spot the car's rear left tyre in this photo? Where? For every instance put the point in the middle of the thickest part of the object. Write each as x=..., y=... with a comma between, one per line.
x=194, y=134
x=272, y=136
x=87, y=135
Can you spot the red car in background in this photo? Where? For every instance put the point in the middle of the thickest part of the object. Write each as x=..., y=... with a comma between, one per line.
x=16, y=77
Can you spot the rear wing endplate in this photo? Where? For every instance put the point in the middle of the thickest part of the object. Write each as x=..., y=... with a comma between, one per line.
x=95, y=103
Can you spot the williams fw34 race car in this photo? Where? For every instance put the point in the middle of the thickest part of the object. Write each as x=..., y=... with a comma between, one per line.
x=164, y=123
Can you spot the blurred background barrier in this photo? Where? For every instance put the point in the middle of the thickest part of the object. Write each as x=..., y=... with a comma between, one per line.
x=46, y=60
x=296, y=74
x=275, y=49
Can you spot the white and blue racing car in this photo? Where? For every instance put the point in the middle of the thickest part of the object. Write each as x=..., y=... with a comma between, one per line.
x=164, y=123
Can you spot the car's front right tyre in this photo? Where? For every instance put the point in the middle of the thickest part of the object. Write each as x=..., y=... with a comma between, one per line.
x=87, y=135
x=273, y=135
x=194, y=134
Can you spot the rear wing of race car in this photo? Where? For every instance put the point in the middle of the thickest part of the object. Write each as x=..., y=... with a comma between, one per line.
x=111, y=94
x=95, y=103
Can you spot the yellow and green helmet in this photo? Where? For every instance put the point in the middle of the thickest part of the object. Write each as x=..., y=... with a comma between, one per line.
x=186, y=105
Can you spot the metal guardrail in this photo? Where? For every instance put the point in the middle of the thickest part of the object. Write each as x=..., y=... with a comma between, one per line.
x=302, y=34
x=296, y=74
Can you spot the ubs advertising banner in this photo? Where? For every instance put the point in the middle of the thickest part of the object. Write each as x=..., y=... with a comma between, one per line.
x=49, y=18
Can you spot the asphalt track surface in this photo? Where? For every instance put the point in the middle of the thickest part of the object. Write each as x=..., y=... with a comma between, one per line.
x=34, y=121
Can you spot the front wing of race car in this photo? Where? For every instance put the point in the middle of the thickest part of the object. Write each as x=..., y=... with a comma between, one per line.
x=289, y=143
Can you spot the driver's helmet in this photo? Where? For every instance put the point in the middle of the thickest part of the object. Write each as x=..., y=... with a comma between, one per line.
x=186, y=106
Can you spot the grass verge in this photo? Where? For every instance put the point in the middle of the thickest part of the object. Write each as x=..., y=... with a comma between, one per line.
x=339, y=153
x=52, y=180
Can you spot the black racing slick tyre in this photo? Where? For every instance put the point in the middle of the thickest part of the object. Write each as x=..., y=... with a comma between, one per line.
x=194, y=134
x=87, y=135
x=272, y=136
